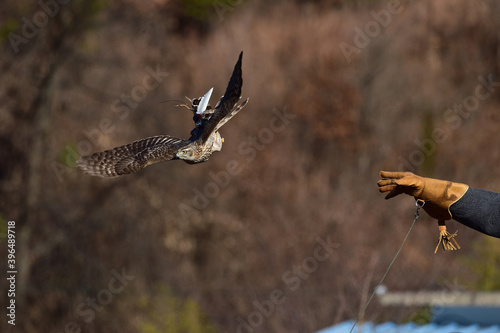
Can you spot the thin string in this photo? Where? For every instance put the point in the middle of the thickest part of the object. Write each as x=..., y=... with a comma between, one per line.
x=392, y=262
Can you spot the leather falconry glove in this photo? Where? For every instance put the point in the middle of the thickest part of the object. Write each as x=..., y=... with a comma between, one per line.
x=438, y=195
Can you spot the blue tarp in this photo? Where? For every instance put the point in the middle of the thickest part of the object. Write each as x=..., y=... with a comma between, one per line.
x=345, y=327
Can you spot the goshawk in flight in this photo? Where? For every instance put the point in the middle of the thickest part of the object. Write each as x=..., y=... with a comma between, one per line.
x=204, y=140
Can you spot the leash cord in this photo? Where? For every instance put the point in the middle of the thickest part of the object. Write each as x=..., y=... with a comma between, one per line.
x=422, y=203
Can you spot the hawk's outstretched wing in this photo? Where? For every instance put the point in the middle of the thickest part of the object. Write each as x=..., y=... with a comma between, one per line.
x=132, y=157
x=224, y=109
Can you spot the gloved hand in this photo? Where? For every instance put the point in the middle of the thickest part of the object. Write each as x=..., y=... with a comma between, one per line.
x=438, y=195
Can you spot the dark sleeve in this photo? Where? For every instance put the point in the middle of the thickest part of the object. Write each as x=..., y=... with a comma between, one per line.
x=480, y=210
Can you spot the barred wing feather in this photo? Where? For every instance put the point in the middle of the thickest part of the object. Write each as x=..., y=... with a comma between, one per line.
x=131, y=157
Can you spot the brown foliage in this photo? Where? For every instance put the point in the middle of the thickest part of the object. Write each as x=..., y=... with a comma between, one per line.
x=313, y=177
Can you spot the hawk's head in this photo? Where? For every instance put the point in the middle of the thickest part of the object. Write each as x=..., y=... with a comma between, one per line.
x=187, y=153
x=197, y=153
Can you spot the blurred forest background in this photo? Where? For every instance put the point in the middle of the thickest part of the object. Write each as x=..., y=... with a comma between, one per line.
x=296, y=237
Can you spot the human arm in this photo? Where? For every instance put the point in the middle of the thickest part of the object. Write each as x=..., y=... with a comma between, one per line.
x=475, y=208
x=480, y=210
